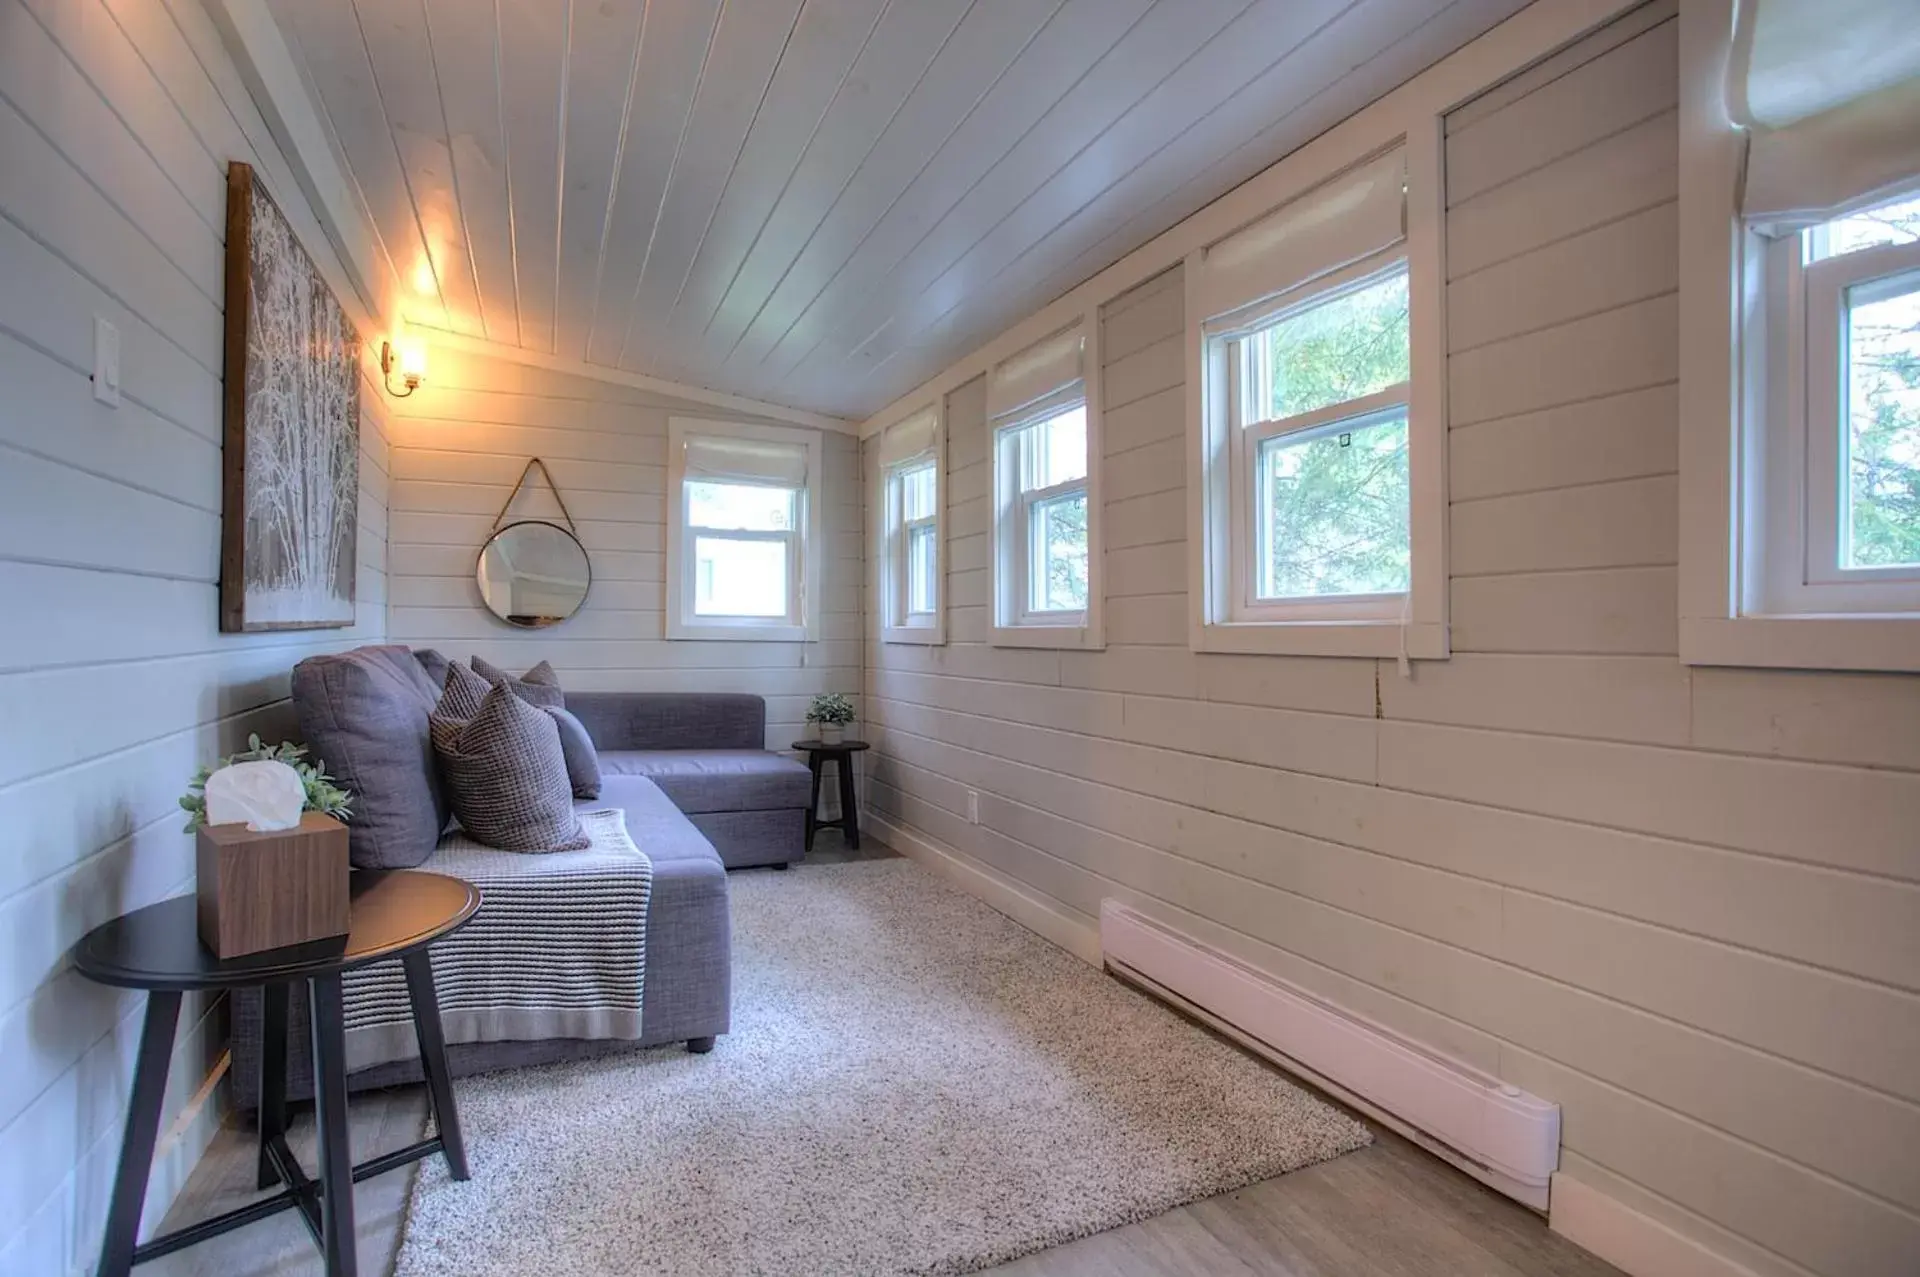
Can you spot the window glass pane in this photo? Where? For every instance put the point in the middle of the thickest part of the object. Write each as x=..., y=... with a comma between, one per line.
x=920, y=569
x=916, y=493
x=739, y=578
x=746, y=507
x=1055, y=450
x=1338, y=350
x=1332, y=512
x=1881, y=522
x=1897, y=222
x=1058, y=578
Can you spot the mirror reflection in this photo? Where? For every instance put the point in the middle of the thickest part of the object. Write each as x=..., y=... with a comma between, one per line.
x=533, y=574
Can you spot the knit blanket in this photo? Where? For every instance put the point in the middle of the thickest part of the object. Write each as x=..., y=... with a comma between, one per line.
x=558, y=950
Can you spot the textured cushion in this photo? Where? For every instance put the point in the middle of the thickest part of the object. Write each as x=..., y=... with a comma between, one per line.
x=462, y=692
x=672, y=720
x=700, y=780
x=538, y=686
x=364, y=714
x=583, y=761
x=506, y=774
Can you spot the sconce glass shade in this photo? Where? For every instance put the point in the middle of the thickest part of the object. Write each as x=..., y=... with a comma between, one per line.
x=409, y=357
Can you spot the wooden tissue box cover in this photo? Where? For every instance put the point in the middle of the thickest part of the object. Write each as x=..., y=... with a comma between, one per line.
x=263, y=891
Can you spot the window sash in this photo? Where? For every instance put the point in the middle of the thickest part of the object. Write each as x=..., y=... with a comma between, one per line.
x=1017, y=445
x=899, y=542
x=690, y=559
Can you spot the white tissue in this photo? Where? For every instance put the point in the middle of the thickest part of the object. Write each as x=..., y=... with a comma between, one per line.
x=265, y=795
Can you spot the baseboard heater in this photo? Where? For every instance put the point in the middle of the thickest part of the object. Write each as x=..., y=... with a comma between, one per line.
x=1495, y=1132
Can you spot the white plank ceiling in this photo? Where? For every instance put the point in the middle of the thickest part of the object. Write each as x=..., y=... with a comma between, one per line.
x=815, y=202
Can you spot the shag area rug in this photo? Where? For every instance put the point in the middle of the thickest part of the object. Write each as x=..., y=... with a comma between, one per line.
x=913, y=1084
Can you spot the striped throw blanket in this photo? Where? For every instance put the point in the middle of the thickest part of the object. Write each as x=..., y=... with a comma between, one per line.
x=558, y=950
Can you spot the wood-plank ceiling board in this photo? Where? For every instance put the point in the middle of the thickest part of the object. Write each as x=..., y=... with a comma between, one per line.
x=673, y=62
x=900, y=52
x=476, y=138
x=1073, y=114
x=749, y=44
x=401, y=52
x=1335, y=73
x=813, y=202
x=605, y=44
x=327, y=41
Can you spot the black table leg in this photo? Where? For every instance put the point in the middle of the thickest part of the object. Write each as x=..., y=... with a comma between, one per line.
x=433, y=1058
x=814, y=765
x=849, y=806
x=142, y=1131
x=330, y=1116
x=273, y=1077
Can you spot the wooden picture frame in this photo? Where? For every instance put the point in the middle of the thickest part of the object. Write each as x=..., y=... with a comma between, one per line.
x=290, y=483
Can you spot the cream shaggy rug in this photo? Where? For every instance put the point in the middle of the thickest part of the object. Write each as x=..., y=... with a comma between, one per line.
x=913, y=1084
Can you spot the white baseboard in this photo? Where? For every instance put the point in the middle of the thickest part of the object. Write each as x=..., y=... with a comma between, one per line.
x=1631, y=1241
x=1024, y=906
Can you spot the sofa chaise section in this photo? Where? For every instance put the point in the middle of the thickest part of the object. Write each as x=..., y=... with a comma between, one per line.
x=708, y=752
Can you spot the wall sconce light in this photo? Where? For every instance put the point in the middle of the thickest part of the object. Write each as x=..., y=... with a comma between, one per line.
x=411, y=359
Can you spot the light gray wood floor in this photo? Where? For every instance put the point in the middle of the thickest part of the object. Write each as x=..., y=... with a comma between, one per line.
x=1390, y=1210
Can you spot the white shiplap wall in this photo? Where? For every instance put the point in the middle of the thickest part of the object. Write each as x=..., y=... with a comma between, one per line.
x=117, y=119
x=1684, y=903
x=461, y=442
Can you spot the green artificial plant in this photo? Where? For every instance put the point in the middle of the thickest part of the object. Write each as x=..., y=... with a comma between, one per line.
x=323, y=795
x=830, y=708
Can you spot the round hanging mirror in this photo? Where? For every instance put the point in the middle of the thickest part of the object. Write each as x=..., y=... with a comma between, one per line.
x=533, y=574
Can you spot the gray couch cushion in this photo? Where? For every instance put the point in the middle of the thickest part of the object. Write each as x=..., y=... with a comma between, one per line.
x=702, y=780
x=364, y=713
x=672, y=720
x=506, y=774
x=583, y=761
x=434, y=664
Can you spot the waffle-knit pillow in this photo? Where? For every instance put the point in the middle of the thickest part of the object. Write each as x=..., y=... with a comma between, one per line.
x=505, y=773
x=538, y=686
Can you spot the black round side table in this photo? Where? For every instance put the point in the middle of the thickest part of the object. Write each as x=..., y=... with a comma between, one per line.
x=842, y=752
x=397, y=913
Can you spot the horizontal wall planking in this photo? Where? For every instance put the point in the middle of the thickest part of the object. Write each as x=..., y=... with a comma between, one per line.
x=83, y=618
x=1691, y=1224
x=1147, y=520
x=1632, y=170
x=1157, y=620
x=413, y=527
x=598, y=620
x=1159, y=466
x=1586, y=105
x=549, y=442
x=1624, y=698
x=1612, y=611
x=1147, y=569
x=1624, y=523
x=1612, y=265
x=503, y=470
x=1624, y=349
x=1872, y=720
x=1771, y=806
x=50, y=513
x=625, y=654
x=788, y=681
x=535, y=501
x=1147, y=371
x=1628, y=436
x=1696, y=1065
x=969, y=660
x=409, y=560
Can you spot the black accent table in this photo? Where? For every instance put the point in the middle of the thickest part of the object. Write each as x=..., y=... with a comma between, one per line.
x=841, y=752
x=393, y=914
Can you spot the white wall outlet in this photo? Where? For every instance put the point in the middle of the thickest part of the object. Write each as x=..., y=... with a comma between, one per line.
x=106, y=362
x=973, y=806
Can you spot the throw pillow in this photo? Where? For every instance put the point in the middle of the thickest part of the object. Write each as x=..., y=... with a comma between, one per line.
x=507, y=775
x=538, y=686
x=583, y=760
x=462, y=693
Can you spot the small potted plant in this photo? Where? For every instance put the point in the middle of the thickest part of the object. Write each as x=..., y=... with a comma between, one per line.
x=830, y=713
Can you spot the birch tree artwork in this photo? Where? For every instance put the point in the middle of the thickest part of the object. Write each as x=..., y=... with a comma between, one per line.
x=292, y=454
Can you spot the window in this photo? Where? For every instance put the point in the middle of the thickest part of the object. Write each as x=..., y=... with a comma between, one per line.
x=1315, y=453
x=910, y=553
x=1800, y=343
x=1045, y=585
x=742, y=536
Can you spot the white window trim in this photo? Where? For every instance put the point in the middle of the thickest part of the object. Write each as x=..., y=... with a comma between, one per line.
x=1723, y=322
x=804, y=566
x=1007, y=531
x=896, y=624
x=1417, y=625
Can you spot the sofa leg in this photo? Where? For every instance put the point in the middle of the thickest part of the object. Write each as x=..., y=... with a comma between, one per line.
x=699, y=1046
x=784, y=865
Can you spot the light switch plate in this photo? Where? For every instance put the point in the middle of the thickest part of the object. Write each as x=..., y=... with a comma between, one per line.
x=106, y=362
x=973, y=806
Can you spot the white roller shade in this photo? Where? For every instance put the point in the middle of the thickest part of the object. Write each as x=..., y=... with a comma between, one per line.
x=908, y=439
x=1830, y=90
x=1350, y=217
x=726, y=459
x=1049, y=368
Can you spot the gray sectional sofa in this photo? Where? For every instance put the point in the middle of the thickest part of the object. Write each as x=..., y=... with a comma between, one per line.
x=700, y=792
